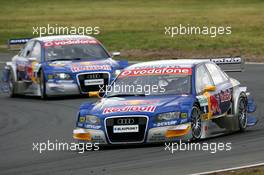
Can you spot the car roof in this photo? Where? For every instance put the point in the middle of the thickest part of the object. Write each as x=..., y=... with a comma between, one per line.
x=62, y=37
x=188, y=63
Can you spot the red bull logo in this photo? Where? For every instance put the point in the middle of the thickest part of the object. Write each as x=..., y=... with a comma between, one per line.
x=129, y=109
x=225, y=96
x=215, y=107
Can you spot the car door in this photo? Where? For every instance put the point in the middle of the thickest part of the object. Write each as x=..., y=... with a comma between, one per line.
x=22, y=61
x=221, y=101
x=33, y=61
x=208, y=102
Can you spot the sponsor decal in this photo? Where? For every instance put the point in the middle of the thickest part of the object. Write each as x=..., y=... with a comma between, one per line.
x=32, y=71
x=202, y=100
x=79, y=68
x=215, y=108
x=156, y=71
x=86, y=63
x=18, y=41
x=227, y=60
x=160, y=124
x=21, y=65
x=88, y=126
x=125, y=128
x=93, y=82
x=217, y=101
x=129, y=109
x=225, y=96
x=70, y=42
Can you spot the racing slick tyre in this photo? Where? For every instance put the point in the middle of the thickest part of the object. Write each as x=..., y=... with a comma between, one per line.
x=242, y=113
x=42, y=84
x=196, y=123
x=11, y=84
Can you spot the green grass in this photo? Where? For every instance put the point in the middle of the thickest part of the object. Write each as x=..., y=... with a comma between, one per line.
x=139, y=25
x=246, y=171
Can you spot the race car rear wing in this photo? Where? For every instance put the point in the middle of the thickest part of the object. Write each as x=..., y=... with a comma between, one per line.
x=230, y=64
x=17, y=44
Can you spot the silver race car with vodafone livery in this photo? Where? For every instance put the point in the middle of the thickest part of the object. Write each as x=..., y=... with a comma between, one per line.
x=191, y=100
x=61, y=65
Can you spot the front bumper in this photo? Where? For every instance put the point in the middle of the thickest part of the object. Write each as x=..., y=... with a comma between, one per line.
x=154, y=135
x=53, y=89
x=170, y=133
x=57, y=89
x=89, y=135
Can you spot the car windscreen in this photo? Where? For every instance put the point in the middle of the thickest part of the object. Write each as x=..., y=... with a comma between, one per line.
x=75, y=51
x=152, y=84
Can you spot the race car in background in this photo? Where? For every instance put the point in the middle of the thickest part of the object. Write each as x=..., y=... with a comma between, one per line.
x=168, y=100
x=61, y=65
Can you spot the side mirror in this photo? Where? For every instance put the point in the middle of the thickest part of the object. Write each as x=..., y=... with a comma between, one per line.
x=123, y=64
x=115, y=54
x=32, y=59
x=209, y=88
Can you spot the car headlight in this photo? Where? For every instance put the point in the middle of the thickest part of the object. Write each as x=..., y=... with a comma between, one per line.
x=62, y=76
x=91, y=119
x=117, y=72
x=82, y=119
x=167, y=116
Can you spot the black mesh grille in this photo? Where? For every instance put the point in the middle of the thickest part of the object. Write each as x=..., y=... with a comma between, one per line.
x=83, y=77
x=126, y=137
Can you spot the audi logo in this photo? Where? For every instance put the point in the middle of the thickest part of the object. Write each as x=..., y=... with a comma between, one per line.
x=93, y=76
x=125, y=121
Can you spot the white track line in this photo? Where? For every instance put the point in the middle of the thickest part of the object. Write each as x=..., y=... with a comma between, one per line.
x=133, y=62
x=230, y=169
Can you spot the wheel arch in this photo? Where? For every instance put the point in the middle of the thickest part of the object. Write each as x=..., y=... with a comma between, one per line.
x=188, y=108
x=11, y=67
x=238, y=92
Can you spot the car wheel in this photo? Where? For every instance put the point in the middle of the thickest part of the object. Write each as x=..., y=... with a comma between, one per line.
x=196, y=123
x=42, y=85
x=242, y=113
x=11, y=84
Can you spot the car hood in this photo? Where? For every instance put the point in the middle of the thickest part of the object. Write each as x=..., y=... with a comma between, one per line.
x=81, y=66
x=138, y=105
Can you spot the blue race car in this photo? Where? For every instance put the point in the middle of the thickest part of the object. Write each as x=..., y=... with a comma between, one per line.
x=170, y=100
x=61, y=65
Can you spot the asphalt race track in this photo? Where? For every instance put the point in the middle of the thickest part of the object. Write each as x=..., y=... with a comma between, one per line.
x=25, y=120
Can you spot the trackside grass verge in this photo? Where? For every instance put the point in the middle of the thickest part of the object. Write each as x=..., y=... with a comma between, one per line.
x=248, y=171
x=137, y=27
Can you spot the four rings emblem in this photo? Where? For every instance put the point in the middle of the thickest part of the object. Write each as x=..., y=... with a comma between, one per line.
x=125, y=121
x=92, y=76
